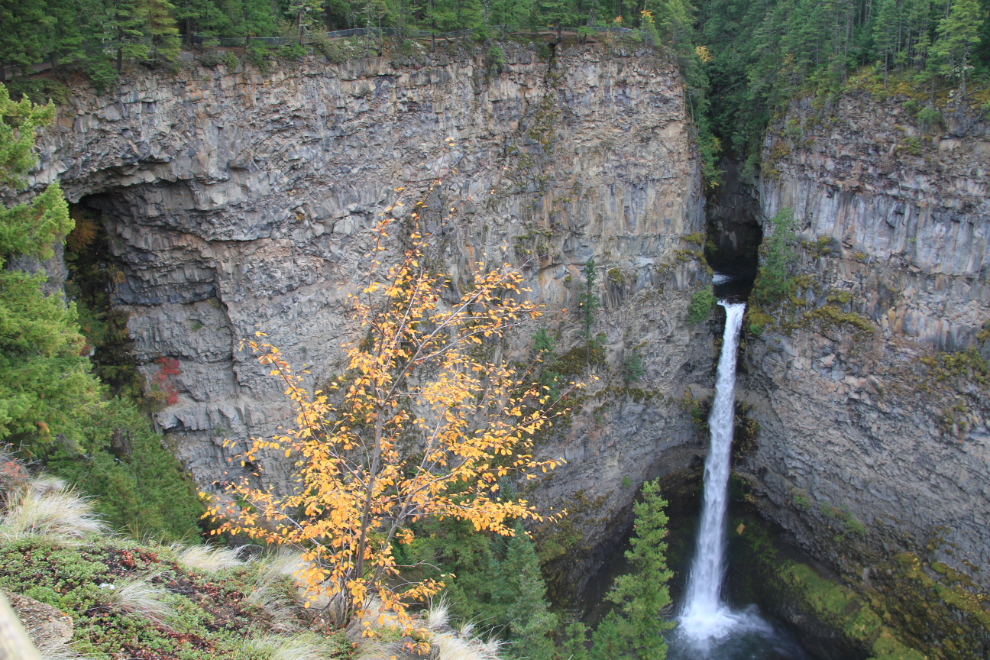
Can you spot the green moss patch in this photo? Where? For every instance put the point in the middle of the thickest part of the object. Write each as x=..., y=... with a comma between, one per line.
x=907, y=610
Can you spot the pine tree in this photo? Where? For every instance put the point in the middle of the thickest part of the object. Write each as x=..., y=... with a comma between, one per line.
x=610, y=640
x=253, y=18
x=202, y=17
x=46, y=388
x=557, y=13
x=634, y=629
x=575, y=642
x=65, y=36
x=159, y=29
x=142, y=30
x=530, y=622
x=885, y=34
x=22, y=37
x=958, y=34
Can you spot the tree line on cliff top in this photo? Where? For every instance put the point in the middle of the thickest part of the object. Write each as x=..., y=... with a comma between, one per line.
x=741, y=59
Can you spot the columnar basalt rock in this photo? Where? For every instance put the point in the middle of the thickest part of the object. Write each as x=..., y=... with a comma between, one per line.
x=239, y=202
x=863, y=450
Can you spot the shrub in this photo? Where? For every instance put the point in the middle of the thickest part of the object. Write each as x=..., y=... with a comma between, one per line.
x=701, y=305
x=929, y=118
x=293, y=51
x=331, y=49
x=495, y=58
x=102, y=73
x=257, y=55
x=39, y=90
x=544, y=344
x=633, y=368
x=211, y=58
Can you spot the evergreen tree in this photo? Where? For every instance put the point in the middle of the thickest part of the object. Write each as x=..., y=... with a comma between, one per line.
x=22, y=39
x=530, y=622
x=65, y=34
x=46, y=389
x=610, y=641
x=575, y=642
x=588, y=302
x=958, y=33
x=142, y=30
x=885, y=34
x=557, y=13
x=634, y=629
x=159, y=29
x=204, y=17
x=252, y=18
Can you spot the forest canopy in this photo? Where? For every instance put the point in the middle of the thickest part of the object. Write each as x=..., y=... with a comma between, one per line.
x=742, y=60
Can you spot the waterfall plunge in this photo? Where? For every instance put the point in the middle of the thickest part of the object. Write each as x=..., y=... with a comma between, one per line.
x=705, y=616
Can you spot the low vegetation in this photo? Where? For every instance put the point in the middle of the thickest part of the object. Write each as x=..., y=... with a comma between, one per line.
x=702, y=303
x=147, y=600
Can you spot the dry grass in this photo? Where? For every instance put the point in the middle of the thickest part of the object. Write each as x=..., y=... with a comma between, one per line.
x=267, y=594
x=283, y=563
x=378, y=649
x=58, y=651
x=60, y=516
x=205, y=558
x=445, y=644
x=437, y=616
x=44, y=484
x=450, y=646
x=138, y=596
x=305, y=646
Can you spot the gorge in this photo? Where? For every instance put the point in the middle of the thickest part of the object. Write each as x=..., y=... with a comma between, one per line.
x=237, y=200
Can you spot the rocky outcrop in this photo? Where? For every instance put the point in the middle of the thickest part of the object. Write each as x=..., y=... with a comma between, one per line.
x=871, y=443
x=238, y=201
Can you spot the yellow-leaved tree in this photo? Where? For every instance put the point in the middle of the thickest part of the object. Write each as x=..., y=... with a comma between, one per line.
x=423, y=423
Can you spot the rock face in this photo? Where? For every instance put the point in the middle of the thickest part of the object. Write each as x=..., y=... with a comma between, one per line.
x=239, y=202
x=870, y=442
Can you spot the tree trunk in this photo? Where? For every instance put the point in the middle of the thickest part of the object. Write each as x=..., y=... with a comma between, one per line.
x=963, y=89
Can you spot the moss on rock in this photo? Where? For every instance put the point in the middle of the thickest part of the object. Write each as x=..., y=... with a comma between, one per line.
x=904, y=609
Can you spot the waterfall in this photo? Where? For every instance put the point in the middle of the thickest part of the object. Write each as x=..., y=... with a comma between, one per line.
x=705, y=615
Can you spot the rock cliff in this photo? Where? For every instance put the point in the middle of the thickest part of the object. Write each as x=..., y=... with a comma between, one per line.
x=239, y=201
x=870, y=388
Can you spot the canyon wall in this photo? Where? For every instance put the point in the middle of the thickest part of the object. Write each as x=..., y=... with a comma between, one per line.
x=873, y=442
x=238, y=201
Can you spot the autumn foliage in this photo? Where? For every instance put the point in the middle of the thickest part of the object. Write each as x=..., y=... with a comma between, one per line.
x=163, y=387
x=423, y=423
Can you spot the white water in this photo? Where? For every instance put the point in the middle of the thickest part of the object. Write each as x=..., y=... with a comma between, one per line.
x=705, y=616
